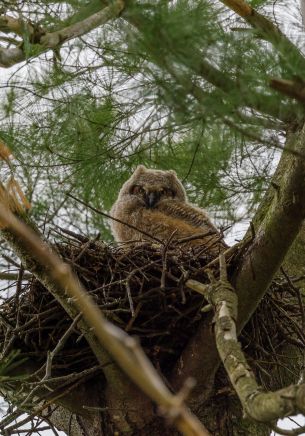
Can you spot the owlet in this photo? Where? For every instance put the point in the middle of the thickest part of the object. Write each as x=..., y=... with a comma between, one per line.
x=152, y=204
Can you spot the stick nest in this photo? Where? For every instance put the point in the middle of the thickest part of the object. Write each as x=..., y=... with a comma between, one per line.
x=141, y=288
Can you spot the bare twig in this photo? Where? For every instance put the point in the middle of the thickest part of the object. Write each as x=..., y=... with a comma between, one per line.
x=14, y=276
x=59, y=346
x=123, y=348
x=100, y=212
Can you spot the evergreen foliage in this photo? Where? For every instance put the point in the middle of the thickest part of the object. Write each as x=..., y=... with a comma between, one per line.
x=183, y=85
x=179, y=85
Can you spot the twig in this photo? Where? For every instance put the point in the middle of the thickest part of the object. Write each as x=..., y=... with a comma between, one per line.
x=227, y=253
x=10, y=260
x=294, y=432
x=59, y=346
x=299, y=297
x=14, y=276
x=130, y=298
x=196, y=236
x=123, y=348
x=164, y=259
x=100, y=212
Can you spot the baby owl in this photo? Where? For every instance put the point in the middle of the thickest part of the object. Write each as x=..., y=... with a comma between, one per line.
x=155, y=204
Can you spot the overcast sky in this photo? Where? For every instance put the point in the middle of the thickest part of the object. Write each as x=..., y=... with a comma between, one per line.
x=238, y=230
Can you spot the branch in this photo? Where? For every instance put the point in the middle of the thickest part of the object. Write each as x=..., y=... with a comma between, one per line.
x=294, y=89
x=303, y=11
x=254, y=272
x=274, y=234
x=123, y=348
x=267, y=30
x=13, y=276
x=44, y=41
x=255, y=100
x=260, y=406
x=55, y=39
x=18, y=26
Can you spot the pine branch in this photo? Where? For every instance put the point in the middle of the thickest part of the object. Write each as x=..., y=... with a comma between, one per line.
x=53, y=40
x=254, y=100
x=259, y=102
x=267, y=30
x=294, y=89
x=18, y=26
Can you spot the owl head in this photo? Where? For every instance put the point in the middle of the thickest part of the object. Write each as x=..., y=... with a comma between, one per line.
x=152, y=186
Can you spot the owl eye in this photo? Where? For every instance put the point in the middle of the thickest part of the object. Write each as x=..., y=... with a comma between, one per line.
x=136, y=189
x=168, y=192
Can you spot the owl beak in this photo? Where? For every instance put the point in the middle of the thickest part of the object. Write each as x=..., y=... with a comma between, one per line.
x=151, y=199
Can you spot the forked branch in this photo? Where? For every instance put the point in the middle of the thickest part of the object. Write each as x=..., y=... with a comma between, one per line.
x=261, y=259
x=44, y=40
x=261, y=406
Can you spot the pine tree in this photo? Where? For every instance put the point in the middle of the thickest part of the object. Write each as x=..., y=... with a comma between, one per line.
x=211, y=89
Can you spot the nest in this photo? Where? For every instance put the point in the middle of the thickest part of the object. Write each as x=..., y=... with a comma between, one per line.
x=141, y=288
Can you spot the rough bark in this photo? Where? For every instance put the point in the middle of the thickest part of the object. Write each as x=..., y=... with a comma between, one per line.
x=275, y=235
x=277, y=223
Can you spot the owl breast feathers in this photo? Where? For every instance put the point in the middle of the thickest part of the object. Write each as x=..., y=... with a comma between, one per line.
x=153, y=205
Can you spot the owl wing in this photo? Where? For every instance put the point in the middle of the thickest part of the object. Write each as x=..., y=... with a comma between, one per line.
x=187, y=212
x=197, y=219
x=170, y=218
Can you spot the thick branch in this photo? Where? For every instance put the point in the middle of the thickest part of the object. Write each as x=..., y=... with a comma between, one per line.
x=294, y=89
x=10, y=24
x=267, y=30
x=261, y=406
x=274, y=235
x=123, y=348
x=55, y=39
x=45, y=41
